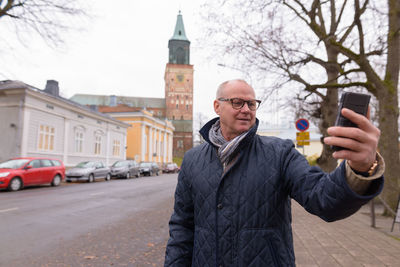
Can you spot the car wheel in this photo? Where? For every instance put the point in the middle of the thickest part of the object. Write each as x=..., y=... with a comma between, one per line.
x=108, y=177
x=56, y=180
x=128, y=175
x=15, y=184
x=91, y=178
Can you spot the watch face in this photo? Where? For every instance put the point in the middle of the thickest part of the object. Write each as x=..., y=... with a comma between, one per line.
x=179, y=77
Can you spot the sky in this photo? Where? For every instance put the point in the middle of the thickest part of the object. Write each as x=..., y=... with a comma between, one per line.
x=120, y=52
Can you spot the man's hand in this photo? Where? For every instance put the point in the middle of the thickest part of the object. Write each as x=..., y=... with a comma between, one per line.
x=360, y=143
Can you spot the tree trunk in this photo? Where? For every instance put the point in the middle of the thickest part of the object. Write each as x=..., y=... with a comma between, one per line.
x=328, y=115
x=329, y=107
x=388, y=145
x=389, y=109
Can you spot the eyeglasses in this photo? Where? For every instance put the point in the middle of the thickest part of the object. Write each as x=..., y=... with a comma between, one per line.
x=238, y=103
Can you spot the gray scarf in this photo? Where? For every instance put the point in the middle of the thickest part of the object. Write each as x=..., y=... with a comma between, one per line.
x=225, y=148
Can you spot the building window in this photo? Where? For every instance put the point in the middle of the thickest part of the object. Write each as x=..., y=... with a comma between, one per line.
x=177, y=106
x=116, y=148
x=78, y=141
x=97, y=144
x=177, y=97
x=187, y=107
x=180, y=144
x=46, y=138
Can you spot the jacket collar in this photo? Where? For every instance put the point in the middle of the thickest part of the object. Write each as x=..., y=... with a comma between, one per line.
x=206, y=128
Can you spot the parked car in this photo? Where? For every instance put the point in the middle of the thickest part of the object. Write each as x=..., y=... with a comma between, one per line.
x=88, y=171
x=149, y=168
x=171, y=168
x=125, y=169
x=20, y=172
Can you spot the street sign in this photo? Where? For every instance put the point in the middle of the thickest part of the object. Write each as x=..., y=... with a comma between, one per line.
x=303, y=143
x=303, y=136
x=302, y=125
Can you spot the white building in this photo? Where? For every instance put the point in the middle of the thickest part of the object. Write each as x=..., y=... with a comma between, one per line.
x=36, y=122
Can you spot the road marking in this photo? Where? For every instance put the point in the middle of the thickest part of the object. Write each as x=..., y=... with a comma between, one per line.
x=9, y=210
x=96, y=194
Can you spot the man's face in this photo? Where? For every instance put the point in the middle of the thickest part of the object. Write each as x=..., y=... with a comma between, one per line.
x=235, y=121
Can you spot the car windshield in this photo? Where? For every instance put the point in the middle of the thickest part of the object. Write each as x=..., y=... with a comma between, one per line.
x=120, y=164
x=145, y=164
x=171, y=165
x=13, y=164
x=86, y=164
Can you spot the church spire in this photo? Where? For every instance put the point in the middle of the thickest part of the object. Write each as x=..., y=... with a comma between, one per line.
x=179, y=33
x=179, y=45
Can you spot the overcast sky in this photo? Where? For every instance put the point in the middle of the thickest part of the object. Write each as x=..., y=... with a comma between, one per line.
x=123, y=51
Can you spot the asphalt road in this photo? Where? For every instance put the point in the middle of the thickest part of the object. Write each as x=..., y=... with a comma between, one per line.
x=115, y=223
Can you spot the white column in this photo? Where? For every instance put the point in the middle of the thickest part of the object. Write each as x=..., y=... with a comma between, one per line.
x=151, y=144
x=159, y=145
x=170, y=148
x=165, y=148
x=143, y=142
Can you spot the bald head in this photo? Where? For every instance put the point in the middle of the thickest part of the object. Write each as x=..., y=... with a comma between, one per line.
x=221, y=92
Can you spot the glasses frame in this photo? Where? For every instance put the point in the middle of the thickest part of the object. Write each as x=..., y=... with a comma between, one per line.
x=244, y=102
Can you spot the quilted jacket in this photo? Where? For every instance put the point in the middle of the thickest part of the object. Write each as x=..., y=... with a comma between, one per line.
x=242, y=216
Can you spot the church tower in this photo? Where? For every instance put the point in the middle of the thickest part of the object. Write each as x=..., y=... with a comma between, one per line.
x=179, y=89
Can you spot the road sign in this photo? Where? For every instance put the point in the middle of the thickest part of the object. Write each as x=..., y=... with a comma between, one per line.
x=303, y=136
x=302, y=125
x=303, y=143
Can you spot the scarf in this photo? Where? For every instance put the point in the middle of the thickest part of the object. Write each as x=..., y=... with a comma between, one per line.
x=226, y=149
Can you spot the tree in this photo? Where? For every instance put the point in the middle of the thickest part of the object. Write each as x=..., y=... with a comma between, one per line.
x=47, y=18
x=315, y=49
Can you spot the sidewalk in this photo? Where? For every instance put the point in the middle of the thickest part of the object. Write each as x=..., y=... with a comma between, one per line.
x=349, y=242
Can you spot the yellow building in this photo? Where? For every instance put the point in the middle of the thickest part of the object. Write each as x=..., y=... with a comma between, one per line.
x=149, y=138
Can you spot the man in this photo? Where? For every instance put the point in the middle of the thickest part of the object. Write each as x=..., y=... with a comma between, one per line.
x=232, y=201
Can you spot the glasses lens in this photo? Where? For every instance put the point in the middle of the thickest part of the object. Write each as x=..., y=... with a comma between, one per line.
x=253, y=105
x=237, y=103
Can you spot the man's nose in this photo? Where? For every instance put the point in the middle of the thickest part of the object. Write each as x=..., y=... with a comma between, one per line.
x=245, y=107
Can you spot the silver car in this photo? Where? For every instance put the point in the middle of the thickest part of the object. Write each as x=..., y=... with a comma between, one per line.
x=125, y=169
x=88, y=171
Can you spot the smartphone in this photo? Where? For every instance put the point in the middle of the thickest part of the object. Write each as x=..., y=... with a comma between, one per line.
x=354, y=101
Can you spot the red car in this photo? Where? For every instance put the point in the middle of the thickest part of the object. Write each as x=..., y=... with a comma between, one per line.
x=19, y=172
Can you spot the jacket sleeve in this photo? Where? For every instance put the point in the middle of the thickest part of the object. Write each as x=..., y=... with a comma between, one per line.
x=181, y=227
x=327, y=195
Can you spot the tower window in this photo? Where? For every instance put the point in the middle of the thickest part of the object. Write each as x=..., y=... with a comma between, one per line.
x=177, y=105
x=187, y=107
x=180, y=33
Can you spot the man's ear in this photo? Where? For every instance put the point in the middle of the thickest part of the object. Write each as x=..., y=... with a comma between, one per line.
x=217, y=106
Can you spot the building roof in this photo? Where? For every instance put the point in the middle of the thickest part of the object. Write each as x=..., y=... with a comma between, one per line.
x=179, y=33
x=110, y=100
x=11, y=84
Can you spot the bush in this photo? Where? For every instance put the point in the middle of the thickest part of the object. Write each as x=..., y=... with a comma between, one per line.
x=312, y=160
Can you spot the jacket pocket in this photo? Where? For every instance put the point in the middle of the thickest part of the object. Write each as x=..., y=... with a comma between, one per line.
x=203, y=248
x=261, y=247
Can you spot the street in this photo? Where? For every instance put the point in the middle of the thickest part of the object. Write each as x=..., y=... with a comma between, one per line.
x=125, y=223
x=115, y=223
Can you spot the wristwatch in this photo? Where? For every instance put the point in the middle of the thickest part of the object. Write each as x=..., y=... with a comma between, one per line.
x=372, y=170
